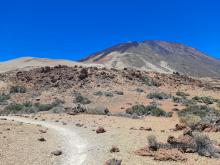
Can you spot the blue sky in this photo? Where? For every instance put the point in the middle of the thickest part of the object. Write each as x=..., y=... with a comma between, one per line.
x=73, y=29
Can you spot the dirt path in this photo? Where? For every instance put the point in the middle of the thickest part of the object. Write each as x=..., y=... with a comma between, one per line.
x=75, y=147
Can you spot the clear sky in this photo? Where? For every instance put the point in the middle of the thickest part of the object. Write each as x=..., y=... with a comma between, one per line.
x=73, y=29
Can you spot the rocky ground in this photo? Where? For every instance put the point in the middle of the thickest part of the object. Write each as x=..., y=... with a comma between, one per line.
x=73, y=96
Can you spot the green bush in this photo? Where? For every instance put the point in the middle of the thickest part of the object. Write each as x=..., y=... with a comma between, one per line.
x=18, y=89
x=146, y=110
x=158, y=95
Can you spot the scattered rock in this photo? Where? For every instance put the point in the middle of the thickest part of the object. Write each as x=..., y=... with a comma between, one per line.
x=180, y=126
x=57, y=153
x=187, y=131
x=100, y=130
x=132, y=128
x=114, y=149
x=184, y=143
x=175, y=109
x=113, y=162
x=72, y=113
x=145, y=128
x=79, y=125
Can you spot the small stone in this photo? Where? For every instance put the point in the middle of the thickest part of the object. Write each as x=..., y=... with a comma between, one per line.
x=41, y=139
x=100, y=130
x=42, y=131
x=57, y=153
x=64, y=123
x=114, y=149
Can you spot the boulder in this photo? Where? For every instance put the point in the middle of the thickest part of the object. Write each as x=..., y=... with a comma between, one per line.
x=169, y=155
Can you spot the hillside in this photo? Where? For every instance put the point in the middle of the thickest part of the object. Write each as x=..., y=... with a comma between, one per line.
x=159, y=56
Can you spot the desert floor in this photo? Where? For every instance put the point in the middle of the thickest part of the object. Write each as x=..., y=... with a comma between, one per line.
x=20, y=145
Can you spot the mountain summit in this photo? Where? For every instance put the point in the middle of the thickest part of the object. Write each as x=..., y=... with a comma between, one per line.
x=159, y=56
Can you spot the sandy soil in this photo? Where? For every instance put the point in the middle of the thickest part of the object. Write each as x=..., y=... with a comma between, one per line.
x=98, y=145
x=20, y=146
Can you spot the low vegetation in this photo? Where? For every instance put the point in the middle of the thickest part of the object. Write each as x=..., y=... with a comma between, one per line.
x=190, y=120
x=18, y=89
x=146, y=80
x=204, y=99
x=152, y=142
x=158, y=95
x=184, y=101
x=182, y=94
x=4, y=98
x=195, y=142
x=27, y=107
x=198, y=110
x=200, y=117
x=204, y=146
x=81, y=99
x=147, y=110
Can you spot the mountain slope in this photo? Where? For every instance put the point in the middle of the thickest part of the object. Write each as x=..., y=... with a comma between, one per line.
x=160, y=56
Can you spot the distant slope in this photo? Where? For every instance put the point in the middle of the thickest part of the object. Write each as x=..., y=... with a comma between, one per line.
x=158, y=56
x=31, y=62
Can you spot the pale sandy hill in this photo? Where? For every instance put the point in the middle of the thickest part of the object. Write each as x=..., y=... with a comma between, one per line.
x=31, y=62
